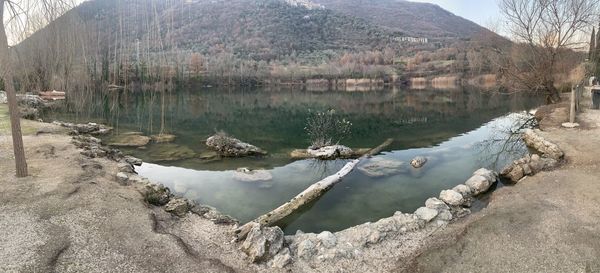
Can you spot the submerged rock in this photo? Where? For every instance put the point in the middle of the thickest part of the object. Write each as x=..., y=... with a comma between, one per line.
x=232, y=147
x=418, y=162
x=381, y=167
x=247, y=175
x=170, y=152
x=129, y=140
x=163, y=138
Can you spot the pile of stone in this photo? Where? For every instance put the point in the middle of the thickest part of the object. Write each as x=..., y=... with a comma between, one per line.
x=264, y=245
x=85, y=128
x=232, y=147
x=529, y=165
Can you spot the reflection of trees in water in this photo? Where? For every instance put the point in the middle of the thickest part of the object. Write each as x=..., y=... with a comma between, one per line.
x=322, y=167
x=504, y=142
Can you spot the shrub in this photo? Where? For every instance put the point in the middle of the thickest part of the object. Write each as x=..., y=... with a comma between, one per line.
x=326, y=128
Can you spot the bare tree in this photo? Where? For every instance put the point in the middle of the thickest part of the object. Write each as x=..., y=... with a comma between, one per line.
x=544, y=30
x=17, y=12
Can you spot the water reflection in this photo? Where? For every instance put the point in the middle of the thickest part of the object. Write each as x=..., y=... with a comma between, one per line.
x=458, y=130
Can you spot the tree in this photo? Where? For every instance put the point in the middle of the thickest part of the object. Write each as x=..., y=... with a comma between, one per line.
x=17, y=12
x=544, y=30
x=592, y=53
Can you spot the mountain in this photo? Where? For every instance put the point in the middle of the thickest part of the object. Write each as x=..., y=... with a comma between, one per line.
x=415, y=19
x=247, y=41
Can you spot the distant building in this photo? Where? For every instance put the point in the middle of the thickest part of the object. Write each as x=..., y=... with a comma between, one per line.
x=415, y=40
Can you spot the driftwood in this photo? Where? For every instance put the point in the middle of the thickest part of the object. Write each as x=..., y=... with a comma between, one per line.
x=310, y=194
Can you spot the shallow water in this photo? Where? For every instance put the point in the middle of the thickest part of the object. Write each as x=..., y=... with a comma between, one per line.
x=458, y=130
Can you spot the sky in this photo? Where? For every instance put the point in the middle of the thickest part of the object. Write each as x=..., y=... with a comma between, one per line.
x=478, y=11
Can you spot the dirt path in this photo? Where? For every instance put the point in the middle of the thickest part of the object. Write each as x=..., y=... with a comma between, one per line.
x=71, y=215
x=546, y=223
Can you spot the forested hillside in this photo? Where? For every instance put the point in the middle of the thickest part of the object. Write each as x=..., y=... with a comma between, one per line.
x=125, y=42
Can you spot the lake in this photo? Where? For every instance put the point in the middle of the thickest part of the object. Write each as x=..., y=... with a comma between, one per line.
x=459, y=130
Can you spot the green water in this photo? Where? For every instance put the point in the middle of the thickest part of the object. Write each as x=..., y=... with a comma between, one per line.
x=454, y=128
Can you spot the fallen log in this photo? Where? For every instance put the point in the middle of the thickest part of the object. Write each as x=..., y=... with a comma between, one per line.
x=310, y=194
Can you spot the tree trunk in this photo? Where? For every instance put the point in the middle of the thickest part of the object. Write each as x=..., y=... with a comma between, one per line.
x=13, y=108
x=307, y=196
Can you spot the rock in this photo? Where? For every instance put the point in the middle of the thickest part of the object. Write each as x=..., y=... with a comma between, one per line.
x=157, y=195
x=418, y=162
x=170, y=152
x=452, y=198
x=516, y=173
x=282, y=259
x=478, y=184
x=426, y=214
x=125, y=167
x=463, y=189
x=491, y=176
x=178, y=206
x=380, y=167
x=527, y=169
x=32, y=101
x=436, y=204
x=331, y=152
x=163, y=138
x=547, y=148
x=247, y=175
x=3, y=98
x=129, y=140
x=306, y=249
x=122, y=178
x=327, y=239
x=232, y=147
x=462, y=212
x=570, y=125
x=208, y=155
x=133, y=160
x=263, y=244
x=445, y=215
x=86, y=128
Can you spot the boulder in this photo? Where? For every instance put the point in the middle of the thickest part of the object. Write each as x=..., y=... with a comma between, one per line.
x=452, y=198
x=122, y=178
x=178, y=206
x=491, y=176
x=263, y=244
x=381, y=167
x=436, y=204
x=282, y=259
x=163, y=138
x=32, y=101
x=331, y=152
x=478, y=184
x=125, y=167
x=247, y=175
x=426, y=213
x=463, y=189
x=232, y=147
x=547, y=148
x=327, y=239
x=129, y=140
x=515, y=174
x=133, y=160
x=418, y=162
x=157, y=195
x=306, y=249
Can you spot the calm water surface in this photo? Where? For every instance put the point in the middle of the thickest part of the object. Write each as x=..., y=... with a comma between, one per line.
x=460, y=130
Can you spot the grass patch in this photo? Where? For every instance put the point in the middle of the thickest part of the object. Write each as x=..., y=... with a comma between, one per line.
x=28, y=127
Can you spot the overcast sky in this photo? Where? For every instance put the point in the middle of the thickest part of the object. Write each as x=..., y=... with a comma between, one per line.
x=478, y=11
